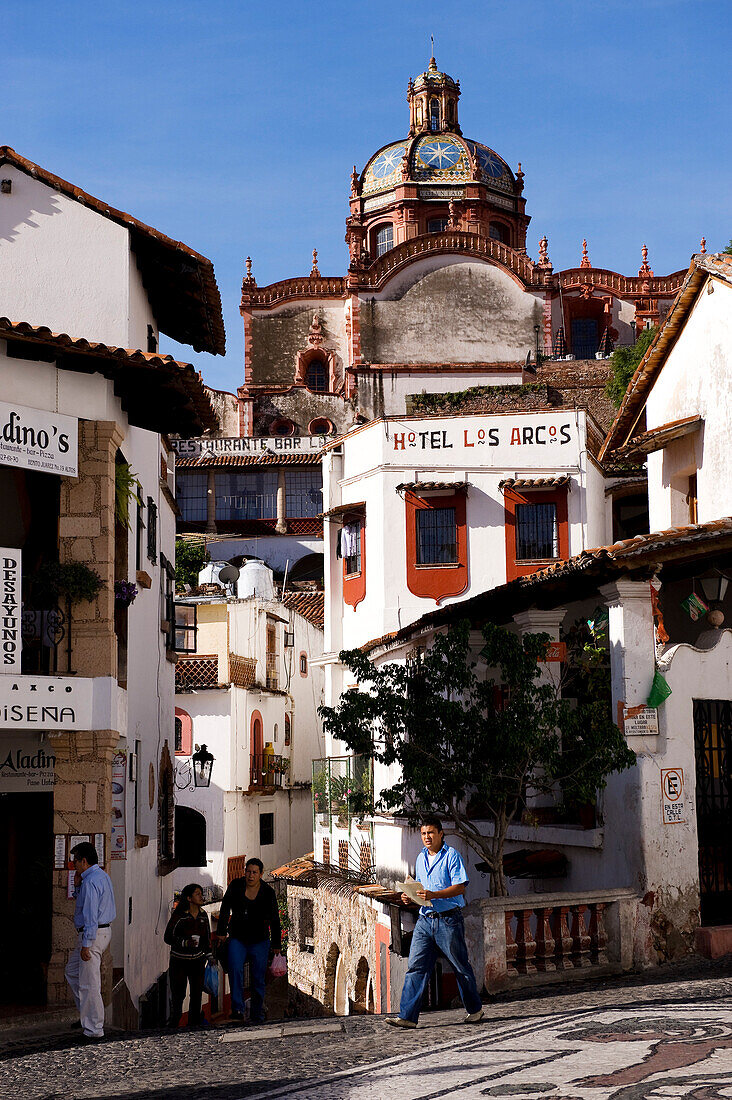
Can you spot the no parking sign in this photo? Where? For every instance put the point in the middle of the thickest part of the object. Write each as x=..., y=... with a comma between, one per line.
x=673, y=807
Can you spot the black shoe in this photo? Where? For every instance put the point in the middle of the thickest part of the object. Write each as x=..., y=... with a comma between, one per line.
x=92, y=1038
x=76, y=1024
x=237, y=1017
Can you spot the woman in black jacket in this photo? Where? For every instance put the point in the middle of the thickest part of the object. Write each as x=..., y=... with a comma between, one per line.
x=189, y=936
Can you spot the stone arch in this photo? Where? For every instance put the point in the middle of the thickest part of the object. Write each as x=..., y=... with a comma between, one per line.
x=341, y=1004
x=363, y=986
x=331, y=964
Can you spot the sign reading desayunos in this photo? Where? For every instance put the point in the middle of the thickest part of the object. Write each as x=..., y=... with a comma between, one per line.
x=34, y=439
x=10, y=603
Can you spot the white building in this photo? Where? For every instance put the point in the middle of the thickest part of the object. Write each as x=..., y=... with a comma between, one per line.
x=249, y=692
x=83, y=423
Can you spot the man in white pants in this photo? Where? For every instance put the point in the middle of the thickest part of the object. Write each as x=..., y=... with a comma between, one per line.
x=94, y=913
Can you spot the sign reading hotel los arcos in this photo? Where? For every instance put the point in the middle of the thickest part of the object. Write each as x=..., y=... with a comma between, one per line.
x=10, y=616
x=46, y=703
x=34, y=439
x=538, y=440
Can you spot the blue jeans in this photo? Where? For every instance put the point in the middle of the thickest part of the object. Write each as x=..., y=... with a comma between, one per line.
x=438, y=935
x=258, y=954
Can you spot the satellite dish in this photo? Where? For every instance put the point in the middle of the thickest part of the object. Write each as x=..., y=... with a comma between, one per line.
x=229, y=574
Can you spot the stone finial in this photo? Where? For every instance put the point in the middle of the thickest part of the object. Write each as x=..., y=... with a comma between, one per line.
x=453, y=218
x=645, y=270
x=354, y=182
x=249, y=277
x=703, y=246
x=544, y=251
x=314, y=273
x=519, y=179
x=585, y=258
x=315, y=335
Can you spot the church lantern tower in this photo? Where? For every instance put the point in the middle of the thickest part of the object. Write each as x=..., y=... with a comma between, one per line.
x=433, y=103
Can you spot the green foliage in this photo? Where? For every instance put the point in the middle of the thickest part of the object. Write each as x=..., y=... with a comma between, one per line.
x=73, y=580
x=426, y=402
x=623, y=363
x=190, y=558
x=126, y=489
x=728, y=250
x=459, y=738
x=284, y=918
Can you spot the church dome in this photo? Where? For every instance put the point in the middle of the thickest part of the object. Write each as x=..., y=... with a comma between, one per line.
x=435, y=158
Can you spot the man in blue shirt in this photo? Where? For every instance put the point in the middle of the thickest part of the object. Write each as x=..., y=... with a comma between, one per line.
x=440, y=928
x=93, y=915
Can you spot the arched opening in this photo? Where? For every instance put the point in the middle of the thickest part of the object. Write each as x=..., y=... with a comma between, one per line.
x=316, y=376
x=190, y=837
x=256, y=749
x=320, y=426
x=434, y=115
x=384, y=239
x=340, y=1002
x=331, y=964
x=499, y=232
x=283, y=426
x=309, y=568
x=166, y=812
x=363, y=988
x=183, y=733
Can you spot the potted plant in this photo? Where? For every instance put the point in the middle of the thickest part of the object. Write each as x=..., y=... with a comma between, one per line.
x=72, y=580
x=125, y=593
x=320, y=792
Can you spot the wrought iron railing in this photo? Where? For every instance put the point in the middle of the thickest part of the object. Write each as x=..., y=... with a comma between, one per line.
x=342, y=790
x=266, y=770
x=201, y=671
x=46, y=635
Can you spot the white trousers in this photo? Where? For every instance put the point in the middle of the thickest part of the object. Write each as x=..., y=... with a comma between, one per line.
x=85, y=979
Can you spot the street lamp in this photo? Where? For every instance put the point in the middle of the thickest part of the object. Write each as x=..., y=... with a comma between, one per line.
x=715, y=588
x=202, y=765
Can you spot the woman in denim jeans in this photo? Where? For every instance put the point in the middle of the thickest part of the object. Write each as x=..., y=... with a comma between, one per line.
x=440, y=928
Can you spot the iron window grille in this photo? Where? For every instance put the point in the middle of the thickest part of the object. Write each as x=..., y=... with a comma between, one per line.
x=191, y=495
x=304, y=493
x=317, y=377
x=152, y=530
x=537, y=532
x=436, y=536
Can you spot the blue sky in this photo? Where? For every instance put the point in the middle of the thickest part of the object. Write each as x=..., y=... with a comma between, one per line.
x=234, y=126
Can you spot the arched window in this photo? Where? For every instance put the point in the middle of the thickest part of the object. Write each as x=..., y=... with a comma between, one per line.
x=320, y=426
x=434, y=114
x=384, y=239
x=498, y=232
x=166, y=812
x=437, y=225
x=303, y=664
x=183, y=733
x=283, y=426
x=316, y=378
x=190, y=837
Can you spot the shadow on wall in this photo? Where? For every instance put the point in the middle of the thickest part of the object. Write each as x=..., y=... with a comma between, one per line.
x=16, y=213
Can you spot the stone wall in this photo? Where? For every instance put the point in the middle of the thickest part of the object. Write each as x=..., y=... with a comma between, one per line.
x=83, y=779
x=344, y=927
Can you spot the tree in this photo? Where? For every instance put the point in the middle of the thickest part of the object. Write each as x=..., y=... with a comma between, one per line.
x=190, y=558
x=623, y=363
x=728, y=250
x=461, y=740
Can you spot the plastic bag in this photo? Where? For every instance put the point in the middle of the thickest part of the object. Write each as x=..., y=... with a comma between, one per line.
x=278, y=969
x=211, y=979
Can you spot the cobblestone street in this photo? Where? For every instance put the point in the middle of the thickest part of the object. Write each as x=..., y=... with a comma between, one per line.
x=666, y=1034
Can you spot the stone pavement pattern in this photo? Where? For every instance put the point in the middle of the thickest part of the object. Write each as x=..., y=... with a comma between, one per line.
x=654, y=1036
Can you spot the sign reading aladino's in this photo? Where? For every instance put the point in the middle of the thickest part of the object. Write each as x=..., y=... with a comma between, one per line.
x=10, y=603
x=46, y=702
x=34, y=439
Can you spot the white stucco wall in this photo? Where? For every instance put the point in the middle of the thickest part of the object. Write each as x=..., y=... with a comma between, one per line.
x=80, y=259
x=695, y=380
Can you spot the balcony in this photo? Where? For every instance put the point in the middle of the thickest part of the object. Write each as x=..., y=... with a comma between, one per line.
x=342, y=791
x=266, y=771
x=196, y=673
x=46, y=635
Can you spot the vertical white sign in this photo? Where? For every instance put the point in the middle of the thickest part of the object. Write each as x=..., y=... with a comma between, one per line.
x=10, y=602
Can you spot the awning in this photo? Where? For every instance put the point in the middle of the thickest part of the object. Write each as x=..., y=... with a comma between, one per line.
x=521, y=483
x=657, y=438
x=420, y=488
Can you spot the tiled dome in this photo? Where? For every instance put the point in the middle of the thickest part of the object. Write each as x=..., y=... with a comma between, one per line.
x=443, y=158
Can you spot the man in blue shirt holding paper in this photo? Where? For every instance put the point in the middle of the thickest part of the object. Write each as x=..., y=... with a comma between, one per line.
x=440, y=928
x=93, y=915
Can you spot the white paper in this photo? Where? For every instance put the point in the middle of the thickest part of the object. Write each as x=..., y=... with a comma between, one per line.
x=410, y=888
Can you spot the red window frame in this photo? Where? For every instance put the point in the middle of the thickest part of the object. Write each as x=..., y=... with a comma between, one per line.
x=436, y=582
x=186, y=723
x=354, y=584
x=523, y=568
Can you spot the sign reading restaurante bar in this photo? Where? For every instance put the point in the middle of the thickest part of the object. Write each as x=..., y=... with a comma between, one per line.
x=10, y=632
x=34, y=439
x=246, y=445
x=46, y=702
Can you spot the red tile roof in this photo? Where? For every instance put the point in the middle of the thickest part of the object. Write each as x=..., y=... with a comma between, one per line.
x=180, y=283
x=311, y=605
x=649, y=368
x=264, y=458
x=534, y=482
x=158, y=392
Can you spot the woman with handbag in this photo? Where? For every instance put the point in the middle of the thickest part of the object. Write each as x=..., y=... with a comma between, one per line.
x=189, y=935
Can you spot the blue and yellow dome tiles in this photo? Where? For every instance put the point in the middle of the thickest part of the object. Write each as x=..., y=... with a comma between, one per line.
x=442, y=158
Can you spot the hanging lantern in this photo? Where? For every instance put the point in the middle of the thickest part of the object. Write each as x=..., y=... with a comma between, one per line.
x=202, y=765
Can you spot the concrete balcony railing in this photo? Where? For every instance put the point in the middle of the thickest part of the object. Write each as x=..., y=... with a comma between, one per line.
x=537, y=939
